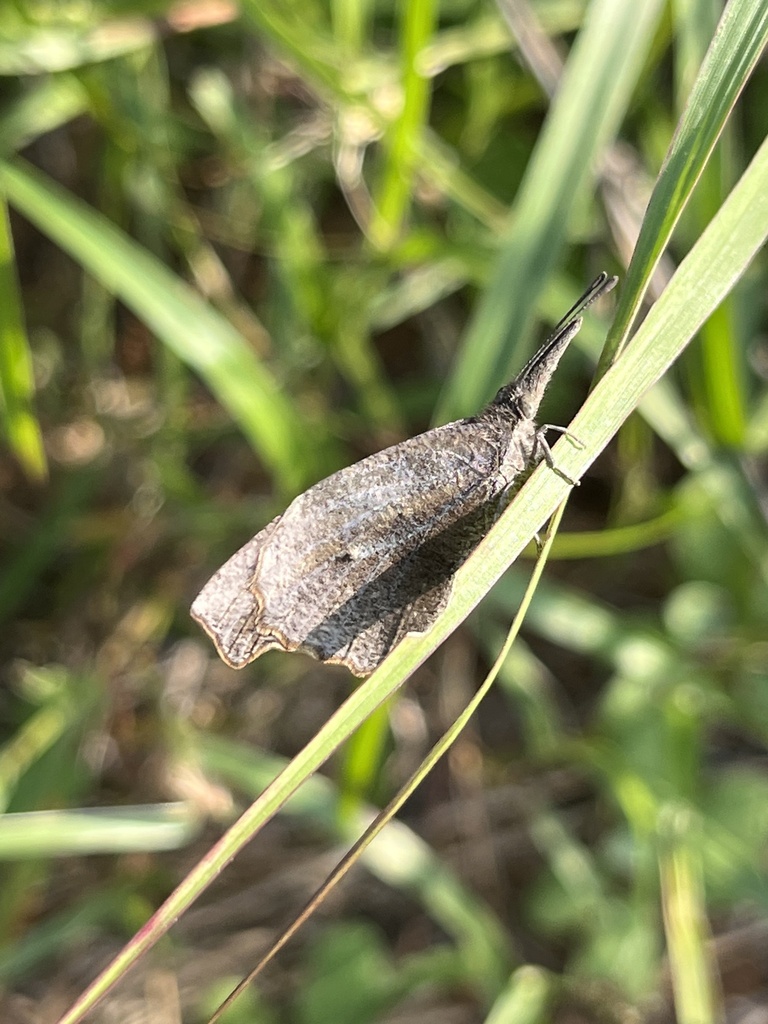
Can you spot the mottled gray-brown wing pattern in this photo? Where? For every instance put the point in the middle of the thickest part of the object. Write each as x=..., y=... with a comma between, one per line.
x=227, y=608
x=345, y=568
x=404, y=599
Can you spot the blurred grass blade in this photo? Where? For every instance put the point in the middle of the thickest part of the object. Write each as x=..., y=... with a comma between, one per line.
x=693, y=966
x=176, y=313
x=717, y=375
x=44, y=728
x=330, y=303
x=706, y=276
x=47, y=739
x=722, y=476
x=97, y=909
x=45, y=50
x=50, y=104
x=594, y=92
x=90, y=830
x=17, y=385
x=304, y=40
x=735, y=49
x=44, y=540
x=417, y=25
x=527, y=998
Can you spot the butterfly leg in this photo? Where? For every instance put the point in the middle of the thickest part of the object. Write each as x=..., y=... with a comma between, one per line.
x=542, y=446
x=575, y=441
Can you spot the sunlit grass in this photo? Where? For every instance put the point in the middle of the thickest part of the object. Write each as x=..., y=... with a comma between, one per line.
x=290, y=239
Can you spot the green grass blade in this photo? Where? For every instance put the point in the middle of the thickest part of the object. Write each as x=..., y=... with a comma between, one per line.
x=722, y=477
x=740, y=39
x=717, y=376
x=382, y=820
x=90, y=830
x=17, y=385
x=179, y=317
x=400, y=858
x=704, y=278
x=693, y=966
x=392, y=200
x=52, y=103
x=44, y=50
x=597, y=83
x=305, y=41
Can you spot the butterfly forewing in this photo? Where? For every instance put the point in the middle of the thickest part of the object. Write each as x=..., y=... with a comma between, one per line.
x=316, y=575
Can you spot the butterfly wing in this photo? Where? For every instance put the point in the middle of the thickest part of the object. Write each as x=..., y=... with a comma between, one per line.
x=404, y=599
x=361, y=558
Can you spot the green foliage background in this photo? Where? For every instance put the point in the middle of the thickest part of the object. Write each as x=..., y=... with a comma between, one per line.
x=244, y=246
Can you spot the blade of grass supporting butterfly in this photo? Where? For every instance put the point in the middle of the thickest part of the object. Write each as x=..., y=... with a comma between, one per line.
x=740, y=39
x=440, y=748
x=17, y=384
x=708, y=273
x=594, y=92
x=401, y=859
x=194, y=332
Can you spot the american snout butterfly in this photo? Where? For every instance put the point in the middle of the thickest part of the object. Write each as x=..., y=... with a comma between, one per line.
x=368, y=555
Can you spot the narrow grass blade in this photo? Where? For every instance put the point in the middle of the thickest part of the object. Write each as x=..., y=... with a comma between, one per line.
x=440, y=748
x=46, y=50
x=26, y=562
x=717, y=377
x=17, y=384
x=90, y=830
x=740, y=39
x=692, y=964
x=391, y=203
x=52, y=103
x=400, y=858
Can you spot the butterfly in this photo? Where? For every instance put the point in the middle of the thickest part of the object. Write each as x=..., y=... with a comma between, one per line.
x=368, y=555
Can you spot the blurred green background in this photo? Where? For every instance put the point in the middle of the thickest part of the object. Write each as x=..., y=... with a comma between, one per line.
x=243, y=246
